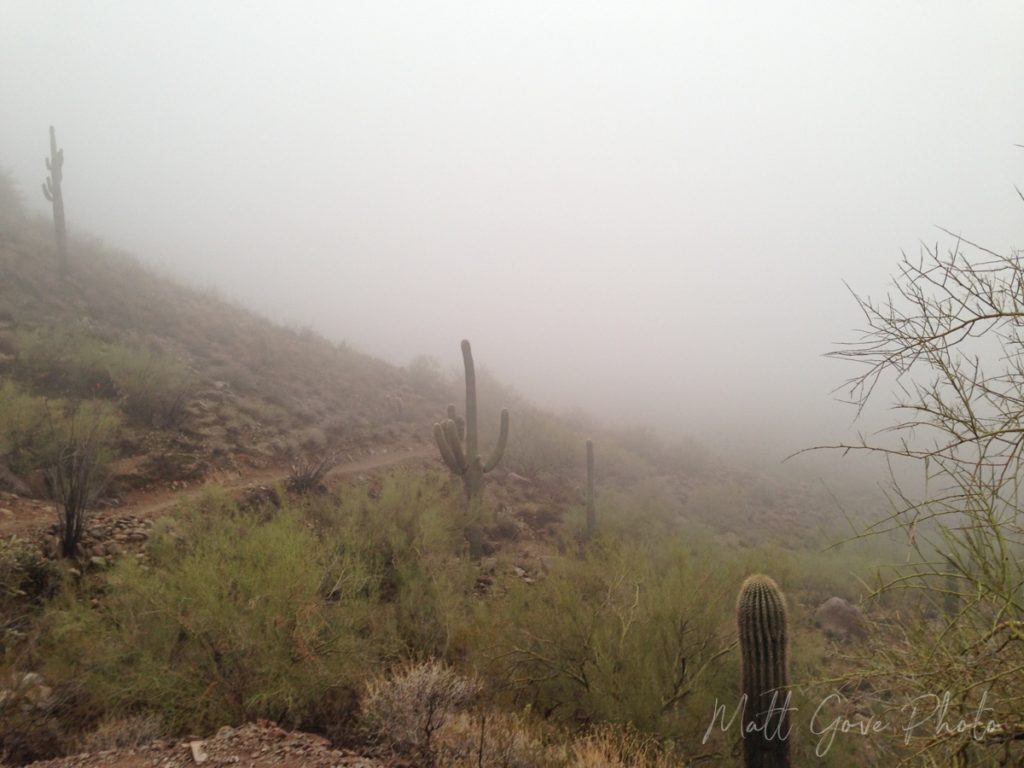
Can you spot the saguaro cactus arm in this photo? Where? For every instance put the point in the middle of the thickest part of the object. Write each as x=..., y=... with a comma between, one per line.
x=591, y=516
x=462, y=460
x=762, y=623
x=499, y=447
x=471, y=435
x=446, y=452
x=460, y=423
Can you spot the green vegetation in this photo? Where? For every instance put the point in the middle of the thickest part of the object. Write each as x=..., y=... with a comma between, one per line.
x=289, y=612
x=71, y=445
x=951, y=333
x=26, y=440
x=344, y=611
x=630, y=633
x=72, y=362
x=79, y=473
x=227, y=621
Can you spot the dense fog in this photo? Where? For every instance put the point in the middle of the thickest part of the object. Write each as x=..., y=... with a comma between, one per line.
x=647, y=210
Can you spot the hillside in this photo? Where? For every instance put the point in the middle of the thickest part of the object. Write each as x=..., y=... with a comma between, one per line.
x=206, y=593
x=207, y=390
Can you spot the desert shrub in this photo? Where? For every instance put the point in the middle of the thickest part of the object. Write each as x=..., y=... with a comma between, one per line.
x=74, y=362
x=630, y=633
x=27, y=578
x=408, y=531
x=492, y=738
x=120, y=732
x=63, y=361
x=153, y=385
x=307, y=473
x=618, y=747
x=228, y=622
x=78, y=472
x=26, y=441
x=407, y=707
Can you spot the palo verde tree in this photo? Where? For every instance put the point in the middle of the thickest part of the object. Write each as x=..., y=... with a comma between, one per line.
x=951, y=336
x=53, y=191
x=458, y=441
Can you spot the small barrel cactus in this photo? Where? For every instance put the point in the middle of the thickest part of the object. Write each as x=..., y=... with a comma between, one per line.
x=761, y=618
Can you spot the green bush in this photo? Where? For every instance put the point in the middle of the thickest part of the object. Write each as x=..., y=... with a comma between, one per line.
x=27, y=439
x=409, y=533
x=154, y=386
x=627, y=634
x=71, y=362
x=228, y=622
x=35, y=432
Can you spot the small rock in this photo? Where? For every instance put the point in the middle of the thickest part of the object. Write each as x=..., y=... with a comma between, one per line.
x=198, y=753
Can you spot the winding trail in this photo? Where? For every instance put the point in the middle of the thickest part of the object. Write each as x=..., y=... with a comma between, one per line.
x=26, y=518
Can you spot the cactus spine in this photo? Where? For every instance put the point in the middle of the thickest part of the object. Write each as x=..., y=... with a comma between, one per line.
x=761, y=618
x=591, y=515
x=52, y=191
x=457, y=439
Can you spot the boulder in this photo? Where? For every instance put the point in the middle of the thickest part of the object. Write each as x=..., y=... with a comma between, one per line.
x=840, y=620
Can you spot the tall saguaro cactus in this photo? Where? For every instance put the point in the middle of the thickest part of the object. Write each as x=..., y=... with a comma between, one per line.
x=761, y=618
x=591, y=515
x=463, y=458
x=53, y=192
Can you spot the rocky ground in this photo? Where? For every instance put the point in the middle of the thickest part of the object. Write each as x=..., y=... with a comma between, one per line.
x=254, y=745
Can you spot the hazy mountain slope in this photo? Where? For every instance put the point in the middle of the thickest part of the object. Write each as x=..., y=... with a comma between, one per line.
x=205, y=385
x=192, y=374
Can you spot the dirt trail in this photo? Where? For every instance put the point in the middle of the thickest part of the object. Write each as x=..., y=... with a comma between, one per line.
x=23, y=518
x=152, y=506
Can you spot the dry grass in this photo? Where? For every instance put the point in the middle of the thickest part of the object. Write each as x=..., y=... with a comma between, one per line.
x=123, y=731
x=408, y=707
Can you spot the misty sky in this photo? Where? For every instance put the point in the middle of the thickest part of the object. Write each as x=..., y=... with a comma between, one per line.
x=646, y=209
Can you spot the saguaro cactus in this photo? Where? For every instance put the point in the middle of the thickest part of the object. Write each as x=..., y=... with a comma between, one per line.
x=463, y=459
x=52, y=191
x=761, y=617
x=591, y=515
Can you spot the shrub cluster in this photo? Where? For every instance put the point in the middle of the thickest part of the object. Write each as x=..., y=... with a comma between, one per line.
x=151, y=385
